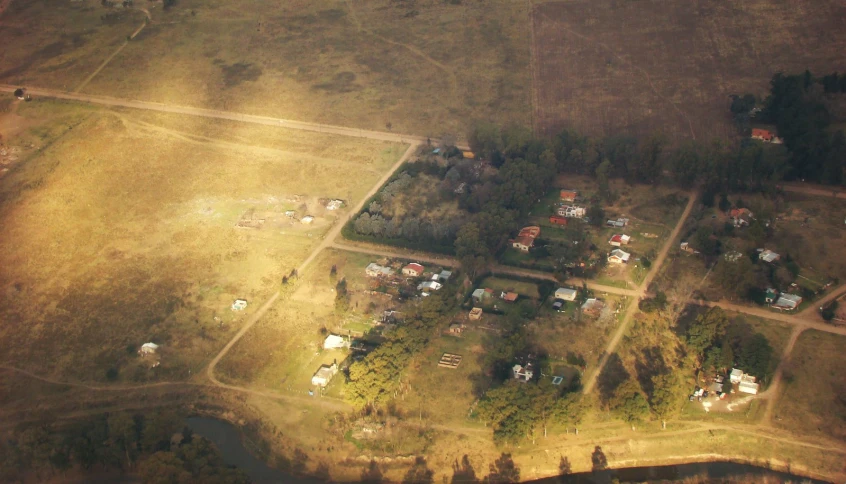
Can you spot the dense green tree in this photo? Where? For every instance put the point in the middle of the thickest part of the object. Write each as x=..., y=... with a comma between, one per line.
x=471, y=250
x=629, y=403
x=668, y=394
x=707, y=327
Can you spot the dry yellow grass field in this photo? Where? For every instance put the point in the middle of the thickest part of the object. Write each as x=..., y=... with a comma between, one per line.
x=123, y=231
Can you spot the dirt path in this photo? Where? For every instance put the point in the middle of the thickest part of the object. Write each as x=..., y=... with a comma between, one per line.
x=772, y=392
x=228, y=115
x=88, y=79
x=785, y=318
x=814, y=190
x=811, y=312
x=633, y=306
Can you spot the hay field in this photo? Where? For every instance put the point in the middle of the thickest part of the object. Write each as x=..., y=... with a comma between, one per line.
x=612, y=67
x=123, y=231
x=426, y=67
x=57, y=44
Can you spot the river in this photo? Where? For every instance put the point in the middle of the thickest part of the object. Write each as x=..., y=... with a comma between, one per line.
x=227, y=438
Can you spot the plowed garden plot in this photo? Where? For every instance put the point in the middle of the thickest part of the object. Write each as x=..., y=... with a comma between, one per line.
x=609, y=67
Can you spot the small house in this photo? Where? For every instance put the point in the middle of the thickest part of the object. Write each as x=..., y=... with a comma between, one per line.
x=569, y=195
x=747, y=386
x=324, y=375
x=239, y=305
x=740, y=217
x=413, y=270
x=593, y=307
x=770, y=296
x=566, y=294
x=429, y=286
x=522, y=373
x=619, y=223
x=767, y=255
x=509, y=296
x=335, y=342
x=787, y=302
x=456, y=328
x=557, y=220
x=444, y=275
x=523, y=244
x=148, y=349
x=762, y=135
x=334, y=204
x=475, y=314
x=619, y=256
x=480, y=295
x=618, y=239
x=572, y=211
x=375, y=270
x=735, y=375
x=307, y=219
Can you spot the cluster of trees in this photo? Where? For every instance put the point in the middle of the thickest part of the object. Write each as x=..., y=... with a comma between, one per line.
x=799, y=107
x=117, y=441
x=373, y=381
x=722, y=344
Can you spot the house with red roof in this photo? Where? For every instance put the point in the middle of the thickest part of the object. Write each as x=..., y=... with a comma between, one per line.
x=413, y=270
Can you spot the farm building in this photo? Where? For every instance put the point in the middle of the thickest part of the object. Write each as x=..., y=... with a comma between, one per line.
x=745, y=383
x=413, y=270
x=619, y=256
x=566, y=294
x=324, y=375
x=620, y=222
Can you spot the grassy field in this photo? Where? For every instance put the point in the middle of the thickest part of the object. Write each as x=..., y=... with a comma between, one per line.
x=121, y=231
x=499, y=285
x=812, y=399
x=612, y=68
x=426, y=67
x=58, y=44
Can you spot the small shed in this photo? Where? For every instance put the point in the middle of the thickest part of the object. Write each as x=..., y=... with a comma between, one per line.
x=148, y=349
x=239, y=305
x=566, y=294
x=509, y=296
x=324, y=375
x=475, y=314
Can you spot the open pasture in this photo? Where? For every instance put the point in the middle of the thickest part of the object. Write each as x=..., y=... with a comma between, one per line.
x=122, y=231
x=610, y=68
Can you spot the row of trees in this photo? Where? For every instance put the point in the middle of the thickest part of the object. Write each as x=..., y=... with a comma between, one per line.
x=373, y=381
x=117, y=441
x=721, y=344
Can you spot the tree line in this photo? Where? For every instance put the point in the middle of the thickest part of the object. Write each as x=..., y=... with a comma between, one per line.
x=142, y=444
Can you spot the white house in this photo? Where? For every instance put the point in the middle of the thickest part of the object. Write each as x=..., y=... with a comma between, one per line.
x=735, y=375
x=767, y=255
x=745, y=383
x=572, y=211
x=566, y=294
x=618, y=239
x=334, y=342
x=522, y=373
x=148, y=349
x=429, y=286
x=324, y=375
x=619, y=256
x=413, y=270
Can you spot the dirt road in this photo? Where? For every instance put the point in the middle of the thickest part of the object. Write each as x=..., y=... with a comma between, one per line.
x=814, y=190
x=786, y=318
x=216, y=114
x=633, y=307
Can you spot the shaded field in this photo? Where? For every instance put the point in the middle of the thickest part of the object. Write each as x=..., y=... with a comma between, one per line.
x=121, y=231
x=812, y=400
x=424, y=67
x=611, y=67
x=58, y=44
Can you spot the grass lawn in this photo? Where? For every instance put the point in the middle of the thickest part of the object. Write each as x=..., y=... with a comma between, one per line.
x=522, y=288
x=811, y=401
x=123, y=231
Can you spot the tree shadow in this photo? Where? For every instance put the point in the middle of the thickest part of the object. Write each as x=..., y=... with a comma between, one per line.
x=371, y=475
x=650, y=362
x=564, y=468
x=419, y=473
x=598, y=460
x=322, y=472
x=463, y=472
x=613, y=374
x=503, y=471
